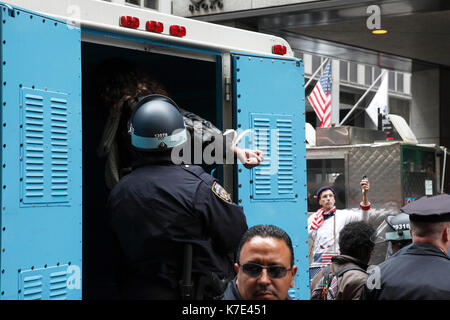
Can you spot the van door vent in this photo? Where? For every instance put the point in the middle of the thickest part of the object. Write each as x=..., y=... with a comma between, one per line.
x=285, y=157
x=33, y=144
x=59, y=148
x=44, y=147
x=48, y=283
x=262, y=185
x=273, y=179
x=32, y=287
x=58, y=285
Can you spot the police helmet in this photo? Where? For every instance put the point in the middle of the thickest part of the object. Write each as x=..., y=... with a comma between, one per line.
x=156, y=124
x=394, y=228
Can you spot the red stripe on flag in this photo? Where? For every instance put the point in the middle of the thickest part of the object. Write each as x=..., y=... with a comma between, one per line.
x=327, y=114
x=315, y=106
x=321, y=94
x=319, y=102
x=326, y=122
x=326, y=256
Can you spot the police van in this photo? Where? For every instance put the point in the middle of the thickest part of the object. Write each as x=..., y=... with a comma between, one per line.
x=53, y=194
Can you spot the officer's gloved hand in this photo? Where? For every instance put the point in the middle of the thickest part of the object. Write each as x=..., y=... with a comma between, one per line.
x=215, y=287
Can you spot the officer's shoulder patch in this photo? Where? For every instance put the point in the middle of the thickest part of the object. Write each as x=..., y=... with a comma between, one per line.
x=220, y=192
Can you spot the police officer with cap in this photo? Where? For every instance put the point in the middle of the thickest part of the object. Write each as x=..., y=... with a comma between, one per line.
x=422, y=272
x=160, y=209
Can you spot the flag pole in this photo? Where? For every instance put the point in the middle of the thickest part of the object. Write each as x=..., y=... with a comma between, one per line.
x=443, y=171
x=318, y=69
x=360, y=99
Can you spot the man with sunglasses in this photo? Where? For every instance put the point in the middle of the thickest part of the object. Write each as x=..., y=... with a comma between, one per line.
x=265, y=266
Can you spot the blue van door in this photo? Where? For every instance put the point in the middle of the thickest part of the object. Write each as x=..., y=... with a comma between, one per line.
x=41, y=205
x=269, y=100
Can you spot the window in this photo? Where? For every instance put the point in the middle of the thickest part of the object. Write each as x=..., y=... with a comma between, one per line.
x=343, y=70
x=400, y=82
x=329, y=172
x=348, y=71
x=353, y=72
x=316, y=62
x=396, y=79
x=391, y=80
x=400, y=107
x=368, y=75
x=135, y=2
x=376, y=74
x=151, y=4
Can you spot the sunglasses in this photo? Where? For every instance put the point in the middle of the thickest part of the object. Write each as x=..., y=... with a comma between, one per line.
x=254, y=270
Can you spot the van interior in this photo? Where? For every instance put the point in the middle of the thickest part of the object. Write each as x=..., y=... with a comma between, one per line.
x=191, y=83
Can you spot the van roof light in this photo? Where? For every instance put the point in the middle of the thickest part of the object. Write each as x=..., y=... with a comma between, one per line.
x=129, y=22
x=177, y=31
x=155, y=26
x=279, y=49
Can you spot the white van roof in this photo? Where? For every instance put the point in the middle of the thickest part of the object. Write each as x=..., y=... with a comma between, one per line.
x=106, y=16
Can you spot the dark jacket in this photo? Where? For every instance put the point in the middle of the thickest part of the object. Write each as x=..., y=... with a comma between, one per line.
x=351, y=282
x=422, y=272
x=157, y=209
x=201, y=130
x=232, y=292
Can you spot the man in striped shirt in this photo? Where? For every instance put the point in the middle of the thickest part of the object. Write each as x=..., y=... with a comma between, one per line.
x=324, y=225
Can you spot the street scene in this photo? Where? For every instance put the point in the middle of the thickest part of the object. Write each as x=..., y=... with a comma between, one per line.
x=220, y=150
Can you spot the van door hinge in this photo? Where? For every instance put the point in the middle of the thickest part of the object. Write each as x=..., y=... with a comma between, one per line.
x=10, y=9
x=227, y=89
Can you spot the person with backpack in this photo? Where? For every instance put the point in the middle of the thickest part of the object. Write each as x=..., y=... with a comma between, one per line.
x=345, y=277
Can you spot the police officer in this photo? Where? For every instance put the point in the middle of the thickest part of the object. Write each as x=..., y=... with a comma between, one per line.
x=160, y=209
x=423, y=270
x=395, y=231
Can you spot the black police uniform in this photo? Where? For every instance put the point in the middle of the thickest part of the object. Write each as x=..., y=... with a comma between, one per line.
x=158, y=208
x=422, y=271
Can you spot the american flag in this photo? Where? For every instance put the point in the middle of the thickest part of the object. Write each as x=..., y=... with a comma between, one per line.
x=326, y=256
x=320, y=97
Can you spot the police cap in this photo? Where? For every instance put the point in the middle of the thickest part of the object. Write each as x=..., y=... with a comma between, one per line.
x=429, y=209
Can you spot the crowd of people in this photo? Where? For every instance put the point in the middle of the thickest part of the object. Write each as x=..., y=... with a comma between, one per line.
x=178, y=234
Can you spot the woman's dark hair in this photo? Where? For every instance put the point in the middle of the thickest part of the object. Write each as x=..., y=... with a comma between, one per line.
x=354, y=237
x=266, y=231
x=118, y=84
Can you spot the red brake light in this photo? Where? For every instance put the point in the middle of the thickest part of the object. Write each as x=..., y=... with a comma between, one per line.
x=178, y=31
x=155, y=26
x=129, y=22
x=279, y=49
